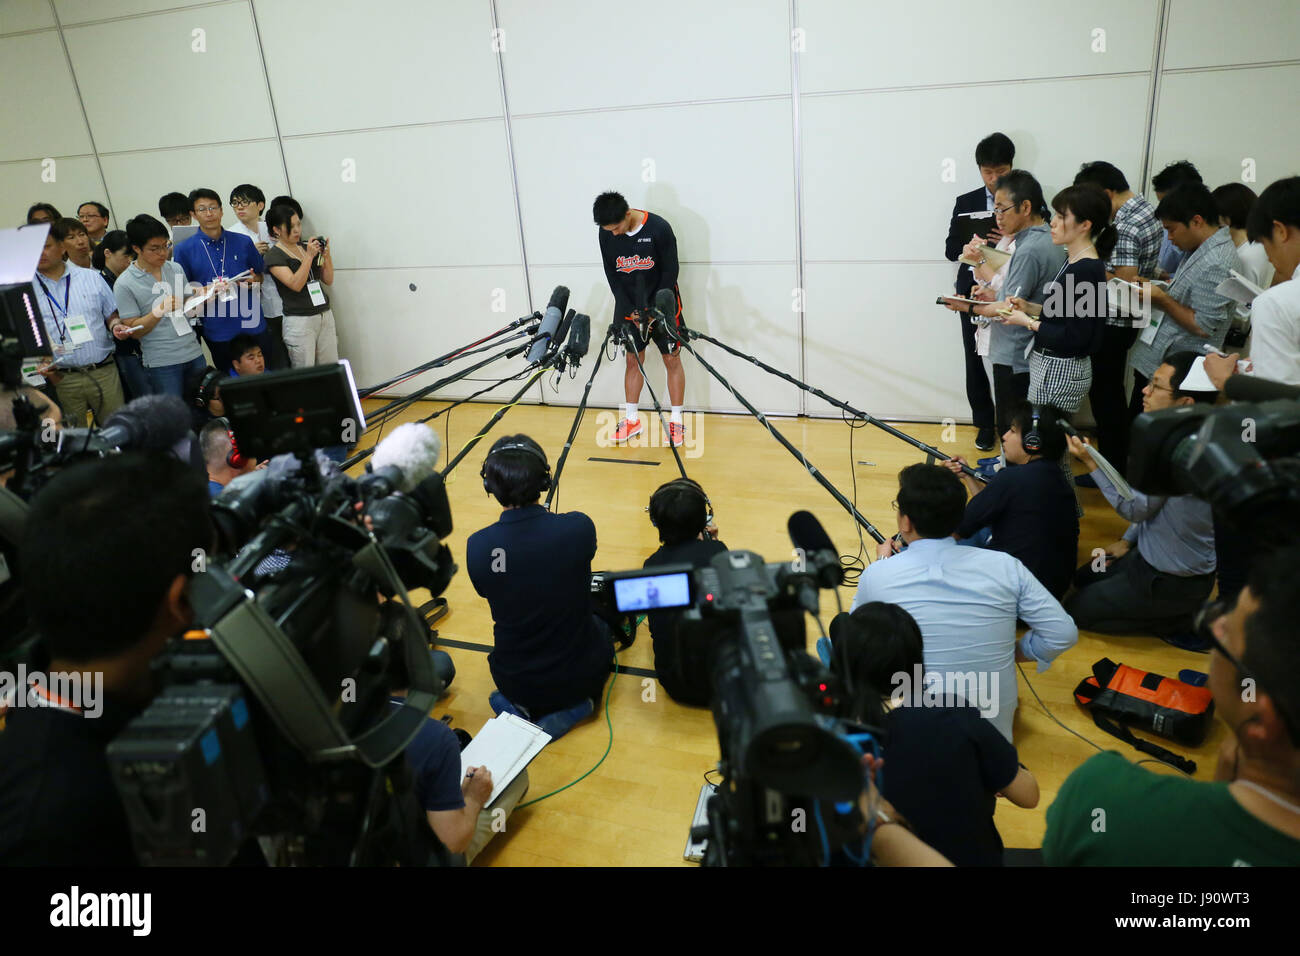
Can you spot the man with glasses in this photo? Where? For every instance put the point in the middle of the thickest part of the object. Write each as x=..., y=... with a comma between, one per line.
x=213, y=256
x=1250, y=814
x=94, y=216
x=1157, y=587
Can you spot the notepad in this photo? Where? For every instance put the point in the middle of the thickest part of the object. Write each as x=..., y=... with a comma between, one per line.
x=505, y=745
x=1238, y=288
x=996, y=258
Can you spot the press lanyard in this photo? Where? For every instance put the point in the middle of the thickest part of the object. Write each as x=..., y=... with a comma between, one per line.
x=54, y=306
x=208, y=253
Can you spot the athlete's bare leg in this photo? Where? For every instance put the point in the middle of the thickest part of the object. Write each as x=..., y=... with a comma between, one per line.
x=632, y=377
x=676, y=378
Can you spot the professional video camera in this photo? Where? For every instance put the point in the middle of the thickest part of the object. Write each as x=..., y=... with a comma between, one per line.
x=275, y=719
x=786, y=756
x=1241, y=458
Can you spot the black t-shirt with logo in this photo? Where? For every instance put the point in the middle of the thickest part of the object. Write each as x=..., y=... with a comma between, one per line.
x=640, y=264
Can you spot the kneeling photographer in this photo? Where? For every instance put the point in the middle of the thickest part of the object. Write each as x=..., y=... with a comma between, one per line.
x=552, y=654
x=683, y=515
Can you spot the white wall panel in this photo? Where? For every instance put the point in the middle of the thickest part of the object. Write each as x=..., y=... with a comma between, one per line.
x=586, y=54
x=18, y=15
x=80, y=11
x=411, y=62
x=874, y=162
x=386, y=327
x=39, y=112
x=424, y=196
x=723, y=176
x=747, y=306
x=1241, y=103
x=1214, y=33
x=136, y=180
x=854, y=46
x=162, y=92
x=76, y=180
x=876, y=340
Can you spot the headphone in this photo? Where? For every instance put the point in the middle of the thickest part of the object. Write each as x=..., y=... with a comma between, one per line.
x=518, y=446
x=1031, y=440
x=233, y=458
x=688, y=484
x=201, y=395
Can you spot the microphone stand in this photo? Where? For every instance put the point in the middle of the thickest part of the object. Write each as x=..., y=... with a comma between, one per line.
x=799, y=456
x=577, y=418
x=625, y=335
x=932, y=453
x=449, y=357
x=457, y=376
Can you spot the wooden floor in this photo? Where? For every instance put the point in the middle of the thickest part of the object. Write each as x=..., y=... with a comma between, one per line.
x=635, y=809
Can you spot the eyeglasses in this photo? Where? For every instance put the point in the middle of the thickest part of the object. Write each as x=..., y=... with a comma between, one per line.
x=207, y=209
x=157, y=248
x=1162, y=388
x=240, y=203
x=1204, y=627
x=1003, y=210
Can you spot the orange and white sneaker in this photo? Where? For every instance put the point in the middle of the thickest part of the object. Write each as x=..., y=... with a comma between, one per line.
x=627, y=430
x=676, y=434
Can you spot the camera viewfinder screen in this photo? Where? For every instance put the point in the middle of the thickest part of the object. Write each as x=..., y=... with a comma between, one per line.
x=652, y=593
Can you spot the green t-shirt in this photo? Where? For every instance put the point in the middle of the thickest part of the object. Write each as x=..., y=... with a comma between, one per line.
x=1110, y=812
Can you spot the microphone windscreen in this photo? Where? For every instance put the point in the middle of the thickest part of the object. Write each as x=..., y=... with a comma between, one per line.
x=666, y=305
x=153, y=422
x=1248, y=388
x=579, y=336
x=559, y=299
x=413, y=449
x=807, y=533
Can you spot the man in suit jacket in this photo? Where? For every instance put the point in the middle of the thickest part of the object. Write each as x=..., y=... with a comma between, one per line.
x=994, y=156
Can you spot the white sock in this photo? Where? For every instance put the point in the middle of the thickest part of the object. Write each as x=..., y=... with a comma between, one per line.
x=676, y=416
x=630, y=412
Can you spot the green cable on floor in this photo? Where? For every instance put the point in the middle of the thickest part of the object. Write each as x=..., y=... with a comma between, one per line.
x=609, y=723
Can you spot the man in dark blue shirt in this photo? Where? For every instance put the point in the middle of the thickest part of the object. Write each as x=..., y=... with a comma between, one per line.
x=552, y=655
x=1028, y=509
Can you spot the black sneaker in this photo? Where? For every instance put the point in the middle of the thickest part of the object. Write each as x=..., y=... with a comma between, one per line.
x=985, y=439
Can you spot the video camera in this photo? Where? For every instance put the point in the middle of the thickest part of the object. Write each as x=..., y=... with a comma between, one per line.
x=785, y=752
x=275, y=718
x=1240, y=458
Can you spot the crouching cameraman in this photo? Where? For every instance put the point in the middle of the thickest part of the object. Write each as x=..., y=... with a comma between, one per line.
x=552, y=654
x=683, y=515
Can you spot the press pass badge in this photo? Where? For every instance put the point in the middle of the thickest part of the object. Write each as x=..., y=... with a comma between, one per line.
x=181, y=324
x=228, y=293
x=78, y=330
x=30, y=375
x=316, y=292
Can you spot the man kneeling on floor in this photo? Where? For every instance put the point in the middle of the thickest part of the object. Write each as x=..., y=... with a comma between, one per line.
x=552, y=654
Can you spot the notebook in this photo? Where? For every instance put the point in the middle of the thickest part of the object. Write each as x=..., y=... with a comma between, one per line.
x=996, y=258
x=1238, y=288
x=505, y=745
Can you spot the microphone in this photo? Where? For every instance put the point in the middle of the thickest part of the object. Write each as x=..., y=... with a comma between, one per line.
x=149, y=423
x=406, y=457
x=579, y=339
x=821, y=557
x=1248, y=388
x=550, y=323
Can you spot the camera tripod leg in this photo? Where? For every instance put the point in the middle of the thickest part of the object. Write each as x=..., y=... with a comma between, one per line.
x=577, y=417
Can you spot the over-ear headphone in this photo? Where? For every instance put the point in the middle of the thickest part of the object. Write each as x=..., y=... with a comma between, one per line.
x=233, y=458
x=204, y=393
x=1031, y=440
x=517, y=446
x=688, y=484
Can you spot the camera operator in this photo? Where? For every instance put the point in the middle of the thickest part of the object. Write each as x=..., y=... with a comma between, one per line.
x=552, y=653
x=223, y=463
x=683, y=515
x=58, y=805
x=1250, y=815
x=1156, y=588
x=947, y=765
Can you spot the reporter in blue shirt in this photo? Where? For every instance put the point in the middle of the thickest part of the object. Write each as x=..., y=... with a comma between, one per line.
x=211, y=256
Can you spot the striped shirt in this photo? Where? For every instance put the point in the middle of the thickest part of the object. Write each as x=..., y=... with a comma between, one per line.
x=1194, y=286
x=1140, y=235
x=87, y=295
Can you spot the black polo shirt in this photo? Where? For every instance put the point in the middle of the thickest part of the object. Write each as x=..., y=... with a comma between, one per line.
x=534, y=568
x=58, y=805
x=663, y=624
x=1031, y=509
